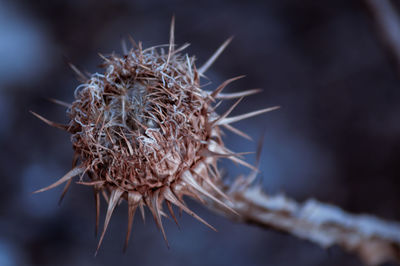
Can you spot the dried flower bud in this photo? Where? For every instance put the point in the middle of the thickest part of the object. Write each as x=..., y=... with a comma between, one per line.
x=145, y=131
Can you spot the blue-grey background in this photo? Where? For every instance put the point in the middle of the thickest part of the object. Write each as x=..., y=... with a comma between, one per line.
x=336, y=137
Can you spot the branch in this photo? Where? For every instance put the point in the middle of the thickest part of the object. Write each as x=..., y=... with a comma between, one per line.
x=388, y=25
x=374, y=240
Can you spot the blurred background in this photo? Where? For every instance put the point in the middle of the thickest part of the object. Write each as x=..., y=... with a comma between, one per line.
x=336, y=137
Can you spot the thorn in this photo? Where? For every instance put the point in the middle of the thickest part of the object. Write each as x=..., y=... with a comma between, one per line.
x=134, y=44
x=155, y=210
x=65, y=104
x=171, y=41
x=124, y=47
x=189, y=179
x=207, y=152
x=224, y=84
x=105, y=196
x=50, y=123
x=216, y=106
x=91, y=183
x=81, y=76
x=115, y=195
x=97, y=202
x=215, y=147
x=227, y=112
x=74, y=172
x=133, y=202
x=214, y=57
x=142, y=212
x=183, y=47
x=171, y=211
x=64, y=191
x=169, y=195
x=103, y=57
x=230, y=120
x=239, y=161
x=227, y=96
x=210, y=183
x=238, y=132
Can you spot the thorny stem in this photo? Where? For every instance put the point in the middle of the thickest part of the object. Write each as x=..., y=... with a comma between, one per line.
x=374, y=240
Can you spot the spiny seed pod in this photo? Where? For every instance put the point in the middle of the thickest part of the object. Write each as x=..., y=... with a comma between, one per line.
x=145, y=132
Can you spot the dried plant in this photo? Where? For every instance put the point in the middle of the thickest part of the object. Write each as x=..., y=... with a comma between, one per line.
x=146, y=132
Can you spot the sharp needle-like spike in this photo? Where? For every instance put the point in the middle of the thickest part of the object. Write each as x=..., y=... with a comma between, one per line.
x=104, y=194
x=171, y=41
x=183, y=47
x=239, y=161
x=163, y=214
x=189, y=179
x=81, y=76
x=114, y=198
x=223, y=85
x=133, y=202
x=214, y=57
x=228, y=111
x=92, y=183
x=74, y=172
x=64, y=191
x=171, y=211
x=62, y=103
x=50, y=123
x=142, y=211
x=145, y=131
x=169, y=195
x=213, y=186
x=132, y=41
x=155, y=209
x=124, y=47
x=230, y=120
x=216, y=106
x=237, y=131
x=97, y=202
x=227, y=96
x=103, y=57
x=224, y=155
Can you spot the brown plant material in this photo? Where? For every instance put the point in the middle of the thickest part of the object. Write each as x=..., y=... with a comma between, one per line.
x=374, y=240
x=145, y=132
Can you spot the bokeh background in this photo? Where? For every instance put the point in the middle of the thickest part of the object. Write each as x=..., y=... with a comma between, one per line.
x=336, y=137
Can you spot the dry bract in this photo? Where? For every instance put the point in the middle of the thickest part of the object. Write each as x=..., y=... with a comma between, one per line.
x=146, y=132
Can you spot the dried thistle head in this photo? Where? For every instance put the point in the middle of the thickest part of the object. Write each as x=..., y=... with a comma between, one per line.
x=145, y=132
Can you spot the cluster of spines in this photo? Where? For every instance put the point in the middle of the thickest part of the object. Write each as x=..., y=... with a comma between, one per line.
x=199, y=180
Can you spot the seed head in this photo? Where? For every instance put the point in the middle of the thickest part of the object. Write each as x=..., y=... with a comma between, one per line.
x=147, y=133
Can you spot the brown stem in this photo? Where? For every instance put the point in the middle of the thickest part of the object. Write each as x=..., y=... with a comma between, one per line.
x=374, y=240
